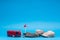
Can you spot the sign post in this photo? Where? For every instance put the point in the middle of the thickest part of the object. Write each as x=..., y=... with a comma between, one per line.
x=25, y=27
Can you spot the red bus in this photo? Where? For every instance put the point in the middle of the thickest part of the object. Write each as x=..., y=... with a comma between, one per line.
x=11, y=33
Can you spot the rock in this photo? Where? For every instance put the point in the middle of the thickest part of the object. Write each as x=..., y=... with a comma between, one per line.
x=36, y=34
x=39, y=32
x=30, y=35
x=48, y=34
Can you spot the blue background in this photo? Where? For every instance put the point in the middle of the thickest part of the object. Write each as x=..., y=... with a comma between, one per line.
x=17, y=11
x=37, y=14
